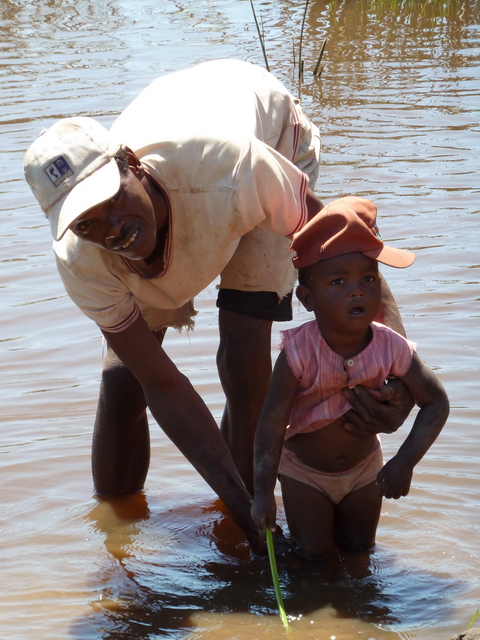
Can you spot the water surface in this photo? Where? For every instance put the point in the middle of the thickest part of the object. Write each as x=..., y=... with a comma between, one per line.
x=397, y=103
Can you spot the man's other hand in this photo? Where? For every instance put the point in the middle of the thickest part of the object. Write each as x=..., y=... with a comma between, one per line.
x=377, y=416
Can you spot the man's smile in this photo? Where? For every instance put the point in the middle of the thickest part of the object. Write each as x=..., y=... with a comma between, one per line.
x=130, y=241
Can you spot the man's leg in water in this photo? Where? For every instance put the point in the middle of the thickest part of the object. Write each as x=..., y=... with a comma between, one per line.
x=121, y=438
x=121, y=449
x=245, y=368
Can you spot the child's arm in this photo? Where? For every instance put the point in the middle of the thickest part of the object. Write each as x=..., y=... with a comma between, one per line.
x=269, y=441
x=395, y=477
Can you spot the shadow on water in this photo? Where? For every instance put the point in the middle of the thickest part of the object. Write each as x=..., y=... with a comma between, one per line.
x=165, y=575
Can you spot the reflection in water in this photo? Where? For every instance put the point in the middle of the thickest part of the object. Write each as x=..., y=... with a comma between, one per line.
x=372, y=33
x=119, y=518
x=173, y=589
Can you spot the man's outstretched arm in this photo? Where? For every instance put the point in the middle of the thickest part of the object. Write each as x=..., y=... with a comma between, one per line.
x=184, y=418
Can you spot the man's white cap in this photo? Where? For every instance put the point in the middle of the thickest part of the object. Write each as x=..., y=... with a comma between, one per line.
x=70, y=169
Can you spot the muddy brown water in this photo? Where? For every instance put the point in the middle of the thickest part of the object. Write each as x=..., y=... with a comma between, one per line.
x=398, y=107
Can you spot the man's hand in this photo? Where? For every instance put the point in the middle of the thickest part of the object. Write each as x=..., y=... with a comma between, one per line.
x=373, y=416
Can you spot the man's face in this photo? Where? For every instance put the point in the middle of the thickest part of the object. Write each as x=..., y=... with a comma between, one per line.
x=125, y=224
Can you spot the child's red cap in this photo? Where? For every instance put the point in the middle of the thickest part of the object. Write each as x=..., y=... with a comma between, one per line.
x=344, y=226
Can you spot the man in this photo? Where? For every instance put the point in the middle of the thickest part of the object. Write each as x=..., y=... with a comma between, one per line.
x=207, y=172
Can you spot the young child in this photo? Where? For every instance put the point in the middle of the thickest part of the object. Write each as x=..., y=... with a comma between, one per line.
x=333, y=481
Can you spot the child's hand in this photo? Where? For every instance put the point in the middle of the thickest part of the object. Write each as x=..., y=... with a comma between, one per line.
x=264, y=509
x=394, y=479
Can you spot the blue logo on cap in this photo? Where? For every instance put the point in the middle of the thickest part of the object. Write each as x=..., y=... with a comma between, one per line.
x=58, y=171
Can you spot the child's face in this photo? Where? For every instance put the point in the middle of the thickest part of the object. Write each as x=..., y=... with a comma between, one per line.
x=344, y=292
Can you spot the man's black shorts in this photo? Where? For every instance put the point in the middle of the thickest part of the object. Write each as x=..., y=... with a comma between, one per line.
x=256, y=304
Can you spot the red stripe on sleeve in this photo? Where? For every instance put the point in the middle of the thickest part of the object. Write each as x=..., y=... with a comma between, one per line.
x=124, y=324
x=303, y=211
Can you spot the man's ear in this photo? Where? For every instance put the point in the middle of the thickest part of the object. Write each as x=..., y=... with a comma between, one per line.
x=305, y=296
x=134, y=162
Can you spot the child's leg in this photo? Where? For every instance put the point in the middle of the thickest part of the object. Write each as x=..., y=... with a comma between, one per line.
x=356, y=518
x=311, y=518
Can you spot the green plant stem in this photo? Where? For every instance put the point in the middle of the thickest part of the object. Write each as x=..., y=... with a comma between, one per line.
x=473, y=619
x=276, y=583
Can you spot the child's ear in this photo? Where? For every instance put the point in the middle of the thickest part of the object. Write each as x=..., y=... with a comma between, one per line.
x=305, y=296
